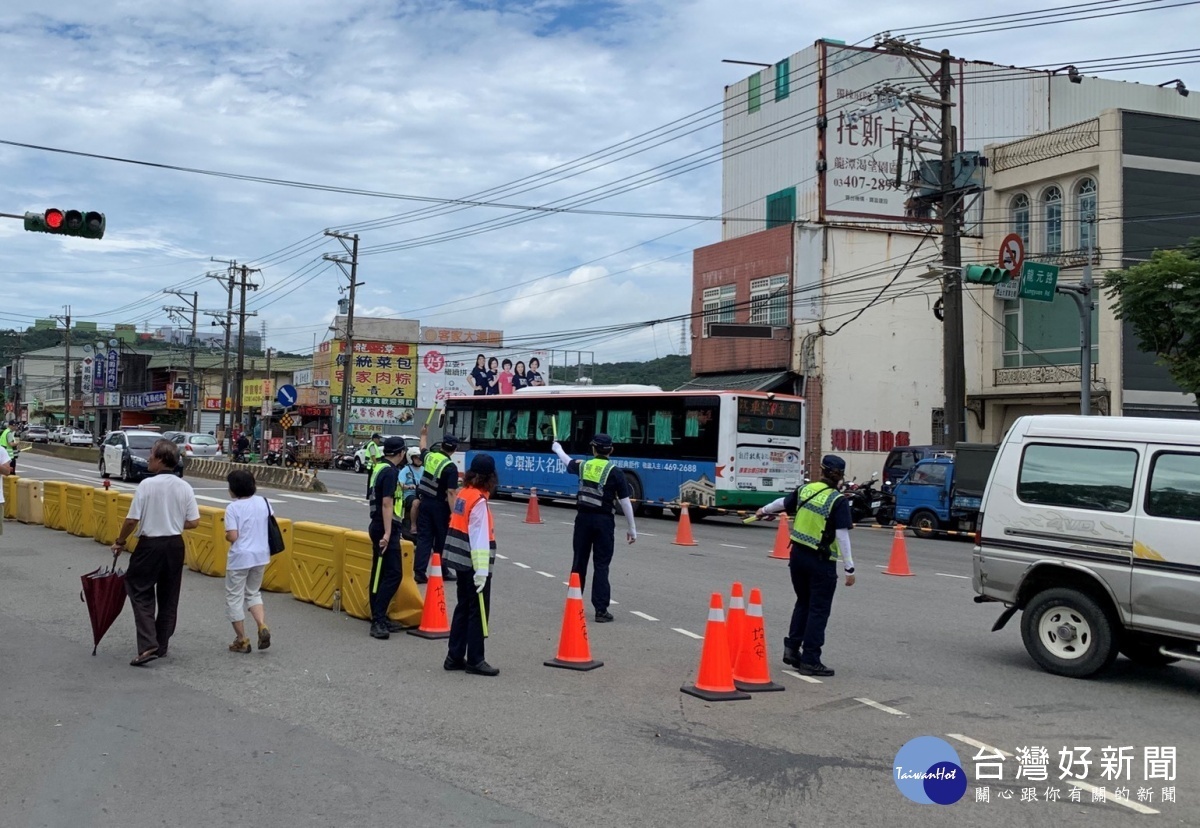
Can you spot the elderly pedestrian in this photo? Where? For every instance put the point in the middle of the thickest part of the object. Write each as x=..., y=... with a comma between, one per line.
x=249, y=553
x=163, y=506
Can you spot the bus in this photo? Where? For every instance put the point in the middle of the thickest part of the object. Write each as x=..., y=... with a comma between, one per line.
x=712, y=450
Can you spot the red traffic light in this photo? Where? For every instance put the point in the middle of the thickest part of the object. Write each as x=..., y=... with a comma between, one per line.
x=54, y=219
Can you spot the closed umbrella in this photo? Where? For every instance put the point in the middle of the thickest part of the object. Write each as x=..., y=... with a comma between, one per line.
x=104, y=593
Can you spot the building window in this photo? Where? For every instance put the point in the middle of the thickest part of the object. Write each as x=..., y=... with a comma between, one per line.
x=1085, y=212
x=754, y=101
x=1041, y=334
x=937, y=425
x=781, y=207
x=1019, y=209
x=718, y=305
x=783, y=71
x=769, y=302
x=1052, y=213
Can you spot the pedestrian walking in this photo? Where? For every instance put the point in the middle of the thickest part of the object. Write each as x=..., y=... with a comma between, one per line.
x=163, y=506
x=374, y=452
x=471, y=550
x=601, y=486
x=386, y=510
x=820, y=537
x=8, y=442
x=436, y=493
x=249, y=553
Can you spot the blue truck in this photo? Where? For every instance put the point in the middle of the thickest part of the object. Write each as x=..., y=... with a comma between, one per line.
x=944, y=493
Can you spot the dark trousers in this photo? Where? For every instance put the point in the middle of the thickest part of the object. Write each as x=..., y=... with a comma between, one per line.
x=814, y=579
x=466, y=627
x=594, y=536
x=386, y=571
x=433, y=521
x=152, y=581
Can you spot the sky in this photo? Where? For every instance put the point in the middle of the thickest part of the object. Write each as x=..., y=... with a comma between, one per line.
x=412, y=104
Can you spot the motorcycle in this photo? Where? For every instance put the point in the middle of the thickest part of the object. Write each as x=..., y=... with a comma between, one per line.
x=345, y=461
x=866, y=501
x=288, y=457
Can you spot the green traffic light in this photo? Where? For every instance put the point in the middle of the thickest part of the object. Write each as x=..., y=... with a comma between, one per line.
x=986, y=274
x=85, y=225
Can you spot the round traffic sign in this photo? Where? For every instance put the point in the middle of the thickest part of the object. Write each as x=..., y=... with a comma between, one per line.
x=1012, y=252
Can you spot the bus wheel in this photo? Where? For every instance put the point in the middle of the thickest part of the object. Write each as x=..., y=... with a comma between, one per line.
x=635, y=493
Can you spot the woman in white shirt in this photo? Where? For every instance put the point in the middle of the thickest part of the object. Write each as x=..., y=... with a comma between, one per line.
x=249, y=554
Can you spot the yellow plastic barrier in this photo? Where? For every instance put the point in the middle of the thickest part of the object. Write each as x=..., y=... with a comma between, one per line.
x=278, y=577
x=107, y=521
x=10, y=496
x=407, y=604
x=207, y=549
x=80, y=519
x=124, y=502
x=29, y=501
x=317, y=559
x=54, y=504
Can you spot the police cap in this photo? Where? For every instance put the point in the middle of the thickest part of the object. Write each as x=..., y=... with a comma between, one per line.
x=602, y=440
x=377, y=436
x=483, y=464
x=450, y=442
x=833, y=463
x=393, y=446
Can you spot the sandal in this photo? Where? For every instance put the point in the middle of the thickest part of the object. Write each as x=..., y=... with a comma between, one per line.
x=240, y=645
x=144, y=659
x=264, y=637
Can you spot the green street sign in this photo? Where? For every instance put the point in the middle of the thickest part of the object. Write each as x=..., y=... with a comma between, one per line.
x=1038, y=281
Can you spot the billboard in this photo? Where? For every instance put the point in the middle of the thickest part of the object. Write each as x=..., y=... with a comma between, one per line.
x=463, y=372
x=382, y=374
x=254, y=391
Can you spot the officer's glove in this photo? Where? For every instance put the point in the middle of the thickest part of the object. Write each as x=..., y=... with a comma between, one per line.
x=481, y=576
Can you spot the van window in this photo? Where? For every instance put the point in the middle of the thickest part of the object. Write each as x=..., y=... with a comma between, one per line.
x=903, y=460
x=1174, y=490
x=1078, y=477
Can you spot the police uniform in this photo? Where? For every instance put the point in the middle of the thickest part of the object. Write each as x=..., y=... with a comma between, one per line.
x=374, y=452
x=471, y=551
x=601, y=486
x=386, y=571
x=8, y=441
x=820, y=538
x=439, y=476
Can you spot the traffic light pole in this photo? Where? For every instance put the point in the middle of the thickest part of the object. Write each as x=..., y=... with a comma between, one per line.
x=1082, y=294
x=954, y=372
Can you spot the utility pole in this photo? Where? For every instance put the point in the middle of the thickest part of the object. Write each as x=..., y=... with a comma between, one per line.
x=348, y=350
x=241, y=354
x=194, y=306
x=1082, y=294
x=66, y=320
x=228, y=323
x=266, y=424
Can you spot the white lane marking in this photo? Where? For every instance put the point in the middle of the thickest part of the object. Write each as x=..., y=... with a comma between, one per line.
x=567, y=522
x=611, y=601
x=502, y=557
x=883, y=707
x=647, y=535
x=688, y=633
x=802, y=677
x=547, y=574
x=643, y=615
x=1109, y=797
x=733, y=546
x=523, y=566
x=881, y=566
x=222, y=500
x=306, y=497
x=948, y=575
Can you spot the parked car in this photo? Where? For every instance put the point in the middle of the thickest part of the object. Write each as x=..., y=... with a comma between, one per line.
x=193, y=444
x=127, y=452
x=360, y=456
x=59, y=434
x=37, y=434
x=79, y=437
x=902, y=458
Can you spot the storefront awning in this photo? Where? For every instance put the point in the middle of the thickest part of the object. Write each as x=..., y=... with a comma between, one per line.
x=782, y=381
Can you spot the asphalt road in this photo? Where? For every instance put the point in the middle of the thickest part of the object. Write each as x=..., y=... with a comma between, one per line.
x=616, y=746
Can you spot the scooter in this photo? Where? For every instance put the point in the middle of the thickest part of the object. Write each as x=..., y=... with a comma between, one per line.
x=345, y=461
x=865, y=501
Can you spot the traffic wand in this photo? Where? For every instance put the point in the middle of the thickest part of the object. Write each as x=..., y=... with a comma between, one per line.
x=483, y=614
x=553, y=427
x=429, y=417
x=750, y=519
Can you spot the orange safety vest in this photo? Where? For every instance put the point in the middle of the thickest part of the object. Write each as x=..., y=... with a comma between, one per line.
x=457, y=551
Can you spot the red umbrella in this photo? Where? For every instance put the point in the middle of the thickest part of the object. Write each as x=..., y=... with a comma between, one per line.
x=104, y=594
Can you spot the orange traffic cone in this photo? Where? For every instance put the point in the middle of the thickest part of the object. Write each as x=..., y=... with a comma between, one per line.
x=715, y=681
x=574, y=652
x=533, y=514
x=683, y=535
x=898, y=563
x=434, y=623
x=736, y=623
x=750, y=671
x=783, y=540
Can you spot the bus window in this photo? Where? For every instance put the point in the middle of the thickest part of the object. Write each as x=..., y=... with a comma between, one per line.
x=458, y=423
x=487, y=426
x=780, y=418
x=699, y=433
x=664, y=427
x=520, y=429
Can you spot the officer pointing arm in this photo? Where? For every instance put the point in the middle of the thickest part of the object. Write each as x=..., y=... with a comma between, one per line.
x=625, y=502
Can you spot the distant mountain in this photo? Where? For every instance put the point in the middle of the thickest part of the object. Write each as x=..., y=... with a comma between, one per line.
x=667, y=372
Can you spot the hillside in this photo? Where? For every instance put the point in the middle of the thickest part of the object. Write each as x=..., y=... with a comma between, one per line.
x=667, y=372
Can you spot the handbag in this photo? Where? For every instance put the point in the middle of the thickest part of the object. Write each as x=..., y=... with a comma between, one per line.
x=275, y=540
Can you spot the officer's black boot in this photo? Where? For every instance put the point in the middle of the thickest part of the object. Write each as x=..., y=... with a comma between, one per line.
x=791, y=656
x=379, y=630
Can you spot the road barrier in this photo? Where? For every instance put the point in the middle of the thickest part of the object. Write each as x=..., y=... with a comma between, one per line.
x=54, y=505
x=207, y=549
x=318, y=554
x=278, y=477
x=278, y=577
x=77, y=506
x=10, y=496
x=406, y=605
x=106, y=521
x=29, y=501
x=82, y=454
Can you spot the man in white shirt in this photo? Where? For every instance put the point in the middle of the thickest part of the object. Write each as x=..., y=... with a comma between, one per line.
x=164, y=505
x=5, y=468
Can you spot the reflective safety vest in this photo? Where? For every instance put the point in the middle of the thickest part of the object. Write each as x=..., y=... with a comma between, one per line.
x=7, y=440
x=374, y=452
x=457, y=550
x=435, y=461
x=811, y=525
x=397, y=496
x=593, y=475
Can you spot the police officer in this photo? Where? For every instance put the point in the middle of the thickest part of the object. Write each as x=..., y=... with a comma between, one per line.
x=600, y=484
x=385, y=536
x=820, y=538
x=436, y=495
x=374, y=451
x=8, y=442
x=471, y=550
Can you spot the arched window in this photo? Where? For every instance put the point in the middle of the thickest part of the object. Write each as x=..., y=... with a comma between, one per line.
x=1052, y=213
x=1085, y=212
x=1019, y=217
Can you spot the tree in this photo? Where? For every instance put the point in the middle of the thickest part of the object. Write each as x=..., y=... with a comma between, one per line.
x=1160, y=299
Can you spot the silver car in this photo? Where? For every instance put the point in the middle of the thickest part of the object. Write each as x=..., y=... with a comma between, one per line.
x=193, y=444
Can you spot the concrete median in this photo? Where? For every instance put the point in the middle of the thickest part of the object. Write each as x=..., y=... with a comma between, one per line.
x=276, y=477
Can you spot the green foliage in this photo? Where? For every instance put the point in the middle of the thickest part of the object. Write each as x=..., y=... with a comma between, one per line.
x=667, y=372
x=1161, y=301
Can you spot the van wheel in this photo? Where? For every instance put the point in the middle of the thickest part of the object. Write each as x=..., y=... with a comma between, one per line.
x=1143, y=650
x=1066, y=632
x=924, y=524
x=103, y=470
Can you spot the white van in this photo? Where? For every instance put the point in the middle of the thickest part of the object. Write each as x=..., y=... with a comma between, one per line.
x=1091, y=527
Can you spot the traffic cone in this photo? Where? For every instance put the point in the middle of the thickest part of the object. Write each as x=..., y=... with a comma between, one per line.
x=783, y=540
x=750, y=671
x=736, y=623
x=533, y=514
x=574, y=652
x=898, y=563
x=434, y=623
x=715, y=680
x=683, y=535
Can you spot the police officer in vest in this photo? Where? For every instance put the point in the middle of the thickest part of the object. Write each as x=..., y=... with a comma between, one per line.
x=471, y=550
x=374, y=452
x=8, y=441
x=436, y=495
x=386, y=509
x=601, y=484
x=820, y=538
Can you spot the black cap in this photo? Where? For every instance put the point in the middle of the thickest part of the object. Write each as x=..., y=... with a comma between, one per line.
x=483, y=464
x=450, y=442
x=393, y=446
x=377, y=436
x=833, y=463
x=602, y=440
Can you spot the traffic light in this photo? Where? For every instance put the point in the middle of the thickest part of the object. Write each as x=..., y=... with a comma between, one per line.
x=87, y=225
x=986, y=274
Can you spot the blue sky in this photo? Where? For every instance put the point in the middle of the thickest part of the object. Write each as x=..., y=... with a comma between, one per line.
x=431, y=99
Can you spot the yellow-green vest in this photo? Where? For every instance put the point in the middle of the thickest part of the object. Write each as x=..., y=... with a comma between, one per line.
x=816, y=502
x=435, y=461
